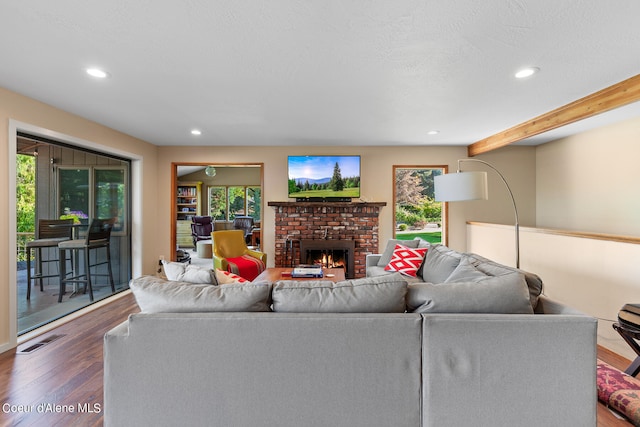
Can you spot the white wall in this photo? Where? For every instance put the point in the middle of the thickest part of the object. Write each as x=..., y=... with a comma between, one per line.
x=587, y=183
x=22, y=113
x=590, y=181
x=594, y=276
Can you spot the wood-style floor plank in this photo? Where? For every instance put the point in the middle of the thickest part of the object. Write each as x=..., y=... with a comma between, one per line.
x=69, y=371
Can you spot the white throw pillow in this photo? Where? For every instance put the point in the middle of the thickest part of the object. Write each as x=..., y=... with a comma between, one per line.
x=181, y=272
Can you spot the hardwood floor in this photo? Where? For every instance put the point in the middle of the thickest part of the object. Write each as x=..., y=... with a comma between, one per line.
x=66, y=374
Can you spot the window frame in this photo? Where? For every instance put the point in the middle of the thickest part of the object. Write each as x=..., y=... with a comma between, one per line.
x=227, y=213
x=444, y=216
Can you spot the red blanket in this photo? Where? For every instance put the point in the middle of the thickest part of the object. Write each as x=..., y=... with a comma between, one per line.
x=245, y=266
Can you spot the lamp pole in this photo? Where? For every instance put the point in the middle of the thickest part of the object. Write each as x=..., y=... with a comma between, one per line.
x=513, y=201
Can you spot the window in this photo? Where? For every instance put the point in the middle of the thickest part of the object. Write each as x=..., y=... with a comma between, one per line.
x=93, y=192
x=225, y=203
x=416, y=212
x=110, y=196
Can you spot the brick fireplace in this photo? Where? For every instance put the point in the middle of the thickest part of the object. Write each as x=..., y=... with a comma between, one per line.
x=337, y=221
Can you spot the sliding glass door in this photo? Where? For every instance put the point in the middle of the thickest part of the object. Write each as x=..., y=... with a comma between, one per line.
x=63, y=181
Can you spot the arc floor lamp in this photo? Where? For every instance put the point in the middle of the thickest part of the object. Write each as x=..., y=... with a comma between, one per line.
x=460, y=186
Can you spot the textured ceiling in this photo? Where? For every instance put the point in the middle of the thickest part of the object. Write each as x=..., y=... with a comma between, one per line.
x=290, y=72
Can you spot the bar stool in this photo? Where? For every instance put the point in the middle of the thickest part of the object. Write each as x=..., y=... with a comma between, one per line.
x=98, y=236
x=49, y=234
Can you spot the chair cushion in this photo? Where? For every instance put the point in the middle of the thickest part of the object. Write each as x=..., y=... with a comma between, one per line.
x=72, y=244
x=383, y=294
x=155, y=295
x=46, y=243
x=245, y=266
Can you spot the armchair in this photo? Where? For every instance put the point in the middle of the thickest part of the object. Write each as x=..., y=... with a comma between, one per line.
x=201, y=228
x=230, y=253
x=246, y=224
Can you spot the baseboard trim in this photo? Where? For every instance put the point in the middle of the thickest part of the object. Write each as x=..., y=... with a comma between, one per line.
x=56, y=323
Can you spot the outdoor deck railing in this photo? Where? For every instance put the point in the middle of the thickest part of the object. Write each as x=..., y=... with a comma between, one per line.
x=21, y=244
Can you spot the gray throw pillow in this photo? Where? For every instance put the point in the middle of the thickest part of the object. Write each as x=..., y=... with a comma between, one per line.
x=439, y=263
x=466, y=272
x=155, y=295
x=382, y=294
x=534, y=282
x=422, y=243
x=391, y=245
x=506, y=294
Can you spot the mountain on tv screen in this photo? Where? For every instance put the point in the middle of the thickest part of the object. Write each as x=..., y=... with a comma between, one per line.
x=324, y=176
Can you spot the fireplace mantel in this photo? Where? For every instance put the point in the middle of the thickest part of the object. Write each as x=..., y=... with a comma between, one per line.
x=327, y=221
x=329, y=204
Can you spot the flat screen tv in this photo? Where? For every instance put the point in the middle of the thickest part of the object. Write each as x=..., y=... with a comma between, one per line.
x=324, y=177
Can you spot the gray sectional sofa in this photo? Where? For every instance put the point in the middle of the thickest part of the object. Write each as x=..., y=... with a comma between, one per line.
x=351, y=354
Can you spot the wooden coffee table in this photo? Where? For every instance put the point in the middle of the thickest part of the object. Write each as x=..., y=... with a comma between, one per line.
x=275, y=274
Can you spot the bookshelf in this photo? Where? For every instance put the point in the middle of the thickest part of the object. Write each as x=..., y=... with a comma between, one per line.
x=188, y=204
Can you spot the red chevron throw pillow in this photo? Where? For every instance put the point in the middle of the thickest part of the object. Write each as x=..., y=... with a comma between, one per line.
x=406, y=260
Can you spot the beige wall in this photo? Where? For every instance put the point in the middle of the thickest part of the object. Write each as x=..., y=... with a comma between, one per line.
x=517, y=163
x=153, y=195
x=589, y=181
x=17, y=111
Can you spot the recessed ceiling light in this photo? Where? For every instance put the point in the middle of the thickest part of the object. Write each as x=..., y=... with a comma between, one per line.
x=527, y=72
x=433, y=132
x=196, y=132
x=98, y=73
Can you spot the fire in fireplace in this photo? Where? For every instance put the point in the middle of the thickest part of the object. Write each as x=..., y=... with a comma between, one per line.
x=329, y=253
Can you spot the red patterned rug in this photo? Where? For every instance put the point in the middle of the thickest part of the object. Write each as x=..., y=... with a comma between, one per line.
x=245, y=266
x=619, y=391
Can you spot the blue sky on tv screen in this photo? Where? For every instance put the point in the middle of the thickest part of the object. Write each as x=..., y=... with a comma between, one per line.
x=316, y=167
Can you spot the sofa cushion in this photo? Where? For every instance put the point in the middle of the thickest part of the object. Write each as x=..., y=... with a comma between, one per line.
x=391, y=246
x=182, y=272
x=439, y=264
x=155, y=295
x=406, y=260
x=382, y=294
x=506, y=294
x=534, y=282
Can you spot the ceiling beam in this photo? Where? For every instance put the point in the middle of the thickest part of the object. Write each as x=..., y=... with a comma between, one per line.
x=615, y=96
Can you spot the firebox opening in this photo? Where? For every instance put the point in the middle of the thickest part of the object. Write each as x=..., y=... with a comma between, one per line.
x=328, y=259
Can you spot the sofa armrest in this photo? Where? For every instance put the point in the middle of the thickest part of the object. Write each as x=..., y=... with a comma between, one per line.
x=548, y=306
x=371, y=260
x=490, y=361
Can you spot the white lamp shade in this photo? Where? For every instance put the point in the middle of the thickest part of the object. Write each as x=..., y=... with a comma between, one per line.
x=454, y=187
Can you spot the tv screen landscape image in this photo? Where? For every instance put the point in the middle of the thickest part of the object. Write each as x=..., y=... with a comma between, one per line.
x=324, y=176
